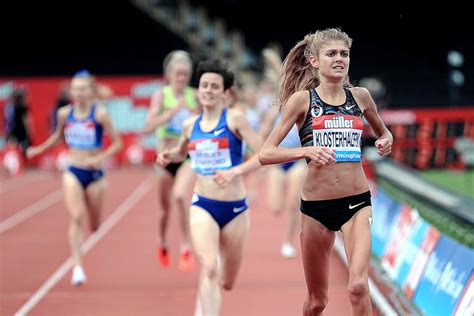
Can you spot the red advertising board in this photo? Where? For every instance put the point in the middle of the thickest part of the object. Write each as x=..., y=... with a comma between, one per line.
x=42, y=93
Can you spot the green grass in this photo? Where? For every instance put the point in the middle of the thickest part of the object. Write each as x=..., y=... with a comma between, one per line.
x=461, y=181
x=448, y=224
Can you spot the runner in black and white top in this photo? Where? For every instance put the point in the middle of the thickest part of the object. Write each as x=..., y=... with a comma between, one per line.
x=315, y=94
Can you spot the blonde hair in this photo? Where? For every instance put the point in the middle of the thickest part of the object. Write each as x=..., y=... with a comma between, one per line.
x=176, y=57
x=273, y=62
x=297, y=73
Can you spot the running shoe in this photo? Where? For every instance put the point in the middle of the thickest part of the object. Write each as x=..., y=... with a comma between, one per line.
x=163, y=257
x=78, y=276
x=186, y=261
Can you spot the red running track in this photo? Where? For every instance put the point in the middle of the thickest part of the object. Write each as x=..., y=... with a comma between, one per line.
x=123, y=276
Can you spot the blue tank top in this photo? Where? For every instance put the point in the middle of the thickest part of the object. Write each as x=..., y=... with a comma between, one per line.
x=292, y=140
x=218, y=149
x=253, y=116
x=83, y=134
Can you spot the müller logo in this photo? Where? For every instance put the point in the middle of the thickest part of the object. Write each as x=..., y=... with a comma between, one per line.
x=207, y=145
x=338, y=122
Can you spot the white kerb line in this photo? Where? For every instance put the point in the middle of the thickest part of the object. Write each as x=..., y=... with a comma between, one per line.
x=111, y=221
x=30, y=210
x=377, y=296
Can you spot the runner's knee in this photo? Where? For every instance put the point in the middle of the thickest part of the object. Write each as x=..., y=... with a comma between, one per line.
x=76, y=217
x=315, y=305
x=210, y=271
x=358, y=289
x=180, y=197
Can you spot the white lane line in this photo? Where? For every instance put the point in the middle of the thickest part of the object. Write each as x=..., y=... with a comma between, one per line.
x=93, y=239
x=31, y=210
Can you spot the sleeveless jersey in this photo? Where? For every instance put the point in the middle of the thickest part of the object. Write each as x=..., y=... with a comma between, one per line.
x=291, y=140
x=337, y=127
x=174, y=126
x=218, y=149
x=83, y=134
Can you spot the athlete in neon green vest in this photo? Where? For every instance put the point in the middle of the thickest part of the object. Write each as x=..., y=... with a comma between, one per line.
x=170, y=106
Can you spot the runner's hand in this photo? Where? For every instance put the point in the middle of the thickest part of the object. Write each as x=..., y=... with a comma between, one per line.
x=223, y=177
x=162, y=158
x=32, y=152
x=94, y=162
x=322, y=156
x=383, y=146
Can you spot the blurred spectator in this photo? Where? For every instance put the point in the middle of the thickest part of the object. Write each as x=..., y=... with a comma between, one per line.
x=104, y=92
x=18, y=123
x=63, y=99
x=266, y=94
x=377, y=89
x=272, y=64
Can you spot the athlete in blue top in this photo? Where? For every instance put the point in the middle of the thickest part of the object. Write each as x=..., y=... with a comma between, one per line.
x=83, y=124
x=219, y=222
x=284, y=182
x=315, y=94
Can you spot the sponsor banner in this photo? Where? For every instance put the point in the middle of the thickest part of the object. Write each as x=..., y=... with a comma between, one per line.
x=430, y=239
x=444, y=279
x=392, y=258
x=410, y=248
x=466, y=302
x=385, y=214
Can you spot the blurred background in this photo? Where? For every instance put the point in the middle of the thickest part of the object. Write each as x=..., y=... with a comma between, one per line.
x=418, y=66
x=406, y=49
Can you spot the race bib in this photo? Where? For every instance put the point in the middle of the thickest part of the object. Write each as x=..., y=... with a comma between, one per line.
x=80, y=134
x=208, y=155
x=342, y=133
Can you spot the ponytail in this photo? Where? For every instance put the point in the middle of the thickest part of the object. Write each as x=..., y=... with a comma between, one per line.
x=297, y=72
